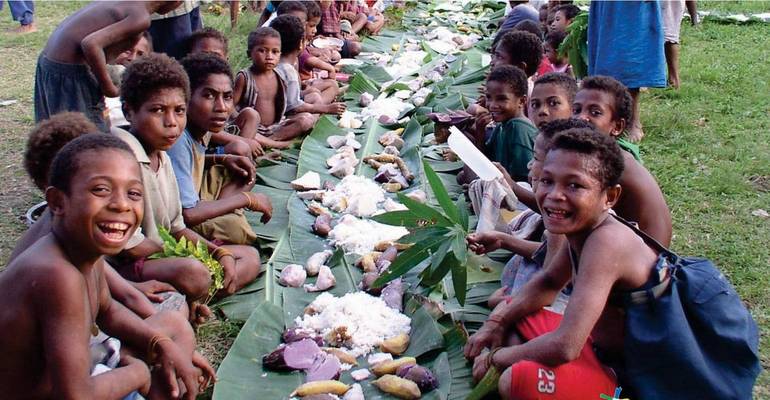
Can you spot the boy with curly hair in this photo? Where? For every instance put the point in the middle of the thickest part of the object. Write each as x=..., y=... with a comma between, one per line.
x=55, y=294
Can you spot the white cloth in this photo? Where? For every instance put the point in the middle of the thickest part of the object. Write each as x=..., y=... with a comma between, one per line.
x=671, y=12
x=486, y=198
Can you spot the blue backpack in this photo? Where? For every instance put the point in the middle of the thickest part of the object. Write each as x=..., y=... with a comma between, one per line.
x=689, y=337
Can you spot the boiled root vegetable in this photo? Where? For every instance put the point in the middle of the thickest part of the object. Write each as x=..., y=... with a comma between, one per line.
x=395, y=345
x=367, y=283
x=365, y=99
x=418, y=195
x=325, y=281
x=393, y=294
x=360, y=374
x=422, y=376
x=325, y=367
x=392, y=187
x=321, y=387
x=389, y=158
x=356, y=392
x=382, y=246
x=387, y=257
x=368, y=262
x=275, y=360
x=391, y=139
x=399, y=387
x=309, y=181
x=390, y=367
x=292, y=275
x=292, y=335
x=322, y=225
x=342, y=355
x=317, y=209
x=315, y=262
x=293, y=356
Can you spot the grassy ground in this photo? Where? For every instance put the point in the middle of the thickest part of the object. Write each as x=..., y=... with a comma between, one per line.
x=707, y=144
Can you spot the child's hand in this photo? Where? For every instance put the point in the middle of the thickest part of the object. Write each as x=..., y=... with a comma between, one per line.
x=127, y=361
x=336, y=108
x=332, y=74
x=482, y=120
x=208, y=375
x=497, y=297
x=151, y=289
x=241, y=166
x=176, y=366
x=506, y=175
x=260, y=203
x=256, y=148
x=484, y=242
x=231, y=274
x=109, y=89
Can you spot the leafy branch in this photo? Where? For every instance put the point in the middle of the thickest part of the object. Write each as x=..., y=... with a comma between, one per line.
x=436, y=234
x=198, y=251
x=575, y=45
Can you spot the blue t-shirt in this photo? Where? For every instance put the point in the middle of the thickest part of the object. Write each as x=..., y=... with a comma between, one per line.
x=519, y=13
x=187, y=156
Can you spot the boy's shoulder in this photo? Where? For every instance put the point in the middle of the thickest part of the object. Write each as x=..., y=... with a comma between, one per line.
x=45, y=267
x=132, y=142
x=518, y=129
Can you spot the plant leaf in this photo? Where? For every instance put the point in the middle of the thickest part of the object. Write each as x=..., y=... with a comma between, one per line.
x=434, y=276
x=410, y=258
x=420, y=234
x=462, y=208
x=438, y=256
x=405, y=218
x=459, y=280
x=431, y=215
x=459, y=247
x=441, y=194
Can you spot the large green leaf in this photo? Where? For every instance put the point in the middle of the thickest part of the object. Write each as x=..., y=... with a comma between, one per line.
x=441, y=195
x=277, y=176
x=274, y=229
x=459, y=279
x=409, y=259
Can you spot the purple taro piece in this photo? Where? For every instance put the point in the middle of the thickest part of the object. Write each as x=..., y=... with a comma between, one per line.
x=300, y=355
x=393, y=294
x=325, y=367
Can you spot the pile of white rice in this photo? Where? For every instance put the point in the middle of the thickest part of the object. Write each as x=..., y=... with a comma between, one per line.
x=360, y=236
x=367, y=319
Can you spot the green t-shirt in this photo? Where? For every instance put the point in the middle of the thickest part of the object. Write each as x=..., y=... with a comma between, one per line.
x=512, y=144
x=632, y=148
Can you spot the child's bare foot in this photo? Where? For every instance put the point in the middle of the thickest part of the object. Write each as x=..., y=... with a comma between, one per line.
x=635, y=134
x=199, y=313
x=21, y=29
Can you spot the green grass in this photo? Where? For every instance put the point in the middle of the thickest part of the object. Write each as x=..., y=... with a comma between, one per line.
x=706, y=144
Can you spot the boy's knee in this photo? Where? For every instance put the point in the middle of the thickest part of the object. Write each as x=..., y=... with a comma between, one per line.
x=248, y=115
x=250, y=264
x=307, y=121
x=195, y=280
x=355, y=48
x=313, y=98
x=504, y=384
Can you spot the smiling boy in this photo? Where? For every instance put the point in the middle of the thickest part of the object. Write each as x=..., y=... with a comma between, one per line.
x=606, y=103
x=557, y=359
x=513, y=138
x=55, y=295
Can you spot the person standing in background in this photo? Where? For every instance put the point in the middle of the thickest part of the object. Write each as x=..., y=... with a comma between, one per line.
x=24, y=12
x=170, y=31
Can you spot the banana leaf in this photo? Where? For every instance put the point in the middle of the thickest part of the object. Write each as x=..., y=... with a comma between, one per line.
x=278, y=175
x=360, y=83
x=273, y=230
x=382, y=43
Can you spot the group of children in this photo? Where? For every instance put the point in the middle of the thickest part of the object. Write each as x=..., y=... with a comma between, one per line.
x=177, y=153
x=133, y=146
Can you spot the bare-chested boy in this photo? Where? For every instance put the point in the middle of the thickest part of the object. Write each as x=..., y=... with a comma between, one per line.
x=260, y=87
x=54, y=295
x=606, y=103
x=566, y=357
x=72, y=72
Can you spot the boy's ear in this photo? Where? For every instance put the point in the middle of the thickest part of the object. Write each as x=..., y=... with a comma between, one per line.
x=522, y=65
x=127, y=112
x=613, y=195
x=55, y=199
x=619, y=127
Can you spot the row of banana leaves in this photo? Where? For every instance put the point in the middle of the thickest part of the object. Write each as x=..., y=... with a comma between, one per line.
x=438, y=333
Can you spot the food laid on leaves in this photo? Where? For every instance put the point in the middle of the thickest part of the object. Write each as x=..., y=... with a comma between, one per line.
x=309, y=181
x=315, y=262
x=360, y=236
x=350, y=120
x=337, y=141
x=325, y=281
x=293, y=275
x=399, y=387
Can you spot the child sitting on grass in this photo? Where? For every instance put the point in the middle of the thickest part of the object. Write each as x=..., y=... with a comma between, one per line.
x=313, y=58
x=72, y=73
x=292, y=33
x=155, y=93
x=513, y=137
x=143, y=298
x=261, y=88
x=55, y=296
x=606, y=103
x=578, y=186
x=330, y=26
x=558, y=62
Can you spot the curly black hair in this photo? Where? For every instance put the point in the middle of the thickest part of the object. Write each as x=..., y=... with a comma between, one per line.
x=523, y=47
x=66, y=164
x=623, y=106
x=553, y=128
x=287, y=7
x=530, y=26
x=562, y=80
x=200, y=66
x=147, y=75
x=205, y=33
x=512, y=76
x=570, y=11
x=313, y=9
x=554, y=38
x=608, y=165
x=257, y=36
x=47, y=138
x=292, y=32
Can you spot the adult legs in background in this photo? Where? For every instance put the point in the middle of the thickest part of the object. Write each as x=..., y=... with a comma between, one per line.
x=635, y=132
x=169, y=34
x=692, y=9
x=23, y=12
x=672, y=61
